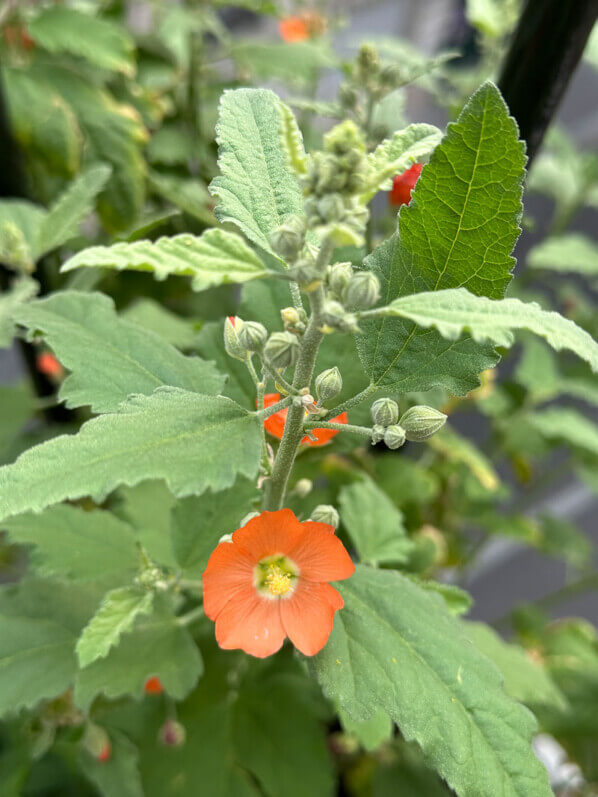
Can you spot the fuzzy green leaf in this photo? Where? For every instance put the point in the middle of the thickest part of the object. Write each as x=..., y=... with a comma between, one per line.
x=77, y=545
x=198, y=522
x=374, y=523
x=110, y=359
x=156, y=646
x=292, y=140
x=566, y=253
x=11, y=301
x=394, y=647
x=214, y=258
x=370, y=733
x=256, y=189
x=119, y=610
x=19, y=229
x=452, y=312
x=525, y=679
x=65, y=30
x=62, y=220
x=397, y=153
x=150, y=314
x=194, y=442
x=459, y=229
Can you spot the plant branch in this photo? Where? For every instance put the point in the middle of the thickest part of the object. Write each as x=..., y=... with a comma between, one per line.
x=352, y=402
x=364, y=431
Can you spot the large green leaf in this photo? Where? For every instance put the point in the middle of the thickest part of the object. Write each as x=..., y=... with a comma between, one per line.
x=459, y=229
x=395, y=647
x=156, y=646
x=74, y=544
x=194, y=442
x=59, y=29
x=397, y=153
x=150, y=314
x=256, y=189
x=454, y=311
x=116, y=616
x=214, y=258
x=198, y=522
x=43, y=122
x=147, y=508
x=525, y=680
x=62, y=220
x=374, y=523
x=110, y=359
x=253, y=728
x=573, y=252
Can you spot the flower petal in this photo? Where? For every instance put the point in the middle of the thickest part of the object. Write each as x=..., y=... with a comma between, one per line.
x=308, y=615
x=324, y=436
x=269, y=533
x=229, y=569
x=250, y=623
x=320, y=555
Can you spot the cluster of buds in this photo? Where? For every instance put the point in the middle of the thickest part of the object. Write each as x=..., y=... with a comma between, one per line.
x=415, y=425
x=294, y=320
x=335, y=178
x=243, y=338
x=281, y=350
x=288, y=240
x=355, y=290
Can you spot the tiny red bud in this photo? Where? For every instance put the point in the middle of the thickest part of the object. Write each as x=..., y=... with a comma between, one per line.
x=172, y=733
x=153, y=686
x=48, y=364
x=105, y=753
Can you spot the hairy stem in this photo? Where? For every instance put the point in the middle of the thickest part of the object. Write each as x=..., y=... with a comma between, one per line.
x=352, y=402
x=293, y=431
x=364, y=431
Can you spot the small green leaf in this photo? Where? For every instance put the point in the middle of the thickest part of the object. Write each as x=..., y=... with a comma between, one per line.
x=194, y=442
x=256, y=189
x=374, y=524
x=120, y=774
x=567, y=426
x=394, y=647
x=156, y=646
x=11, y=301
x=214, y=258
x=110, y=359
x=20, y=222
x=452, y=312
x=115, y=617
x=77, y=545
x=395, y=154
x=571, y=253
x=102, y=42
x=292, y=140
x=62, y=220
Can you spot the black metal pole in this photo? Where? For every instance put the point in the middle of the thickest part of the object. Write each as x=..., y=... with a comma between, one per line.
x=546, y=47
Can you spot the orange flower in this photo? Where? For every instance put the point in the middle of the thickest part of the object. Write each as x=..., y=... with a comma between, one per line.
x=275, y=424
x=270, y=582
x=48, y=364
x=302, y=27
x=403, y=184
x=153, y=686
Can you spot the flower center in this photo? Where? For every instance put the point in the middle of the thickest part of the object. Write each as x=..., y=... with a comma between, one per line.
x=275, y=576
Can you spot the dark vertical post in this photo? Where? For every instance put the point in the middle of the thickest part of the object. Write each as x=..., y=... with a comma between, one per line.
x=547, y=46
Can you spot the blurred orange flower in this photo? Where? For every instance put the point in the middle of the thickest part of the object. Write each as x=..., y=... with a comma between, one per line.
x=403, y=184
x=270, y=581
x=275, y=424
x=302, y=27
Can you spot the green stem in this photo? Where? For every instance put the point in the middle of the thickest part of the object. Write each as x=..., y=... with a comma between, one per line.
x=346, y=405
x=342, y=427
x=278, y=378
x=266, y=412
x=191, y=617
x=293, y=431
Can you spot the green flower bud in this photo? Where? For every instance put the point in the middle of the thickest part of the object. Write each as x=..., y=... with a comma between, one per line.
x=344, y=138
x=368, y=60
x=294, y=320
x=172, y=733
x=422, y=422
x=328, y=384
x=362, y=291
x=394, y=436
x=325, y=513
x=385, y=412
x=232, y=344
x=331, y=207
x=303, y=487
x=377, y=433
x=282, y=349
x=253, y=335
x=288, y=239
x=306, y=274
x=335, y=316
x=347, y=96
x=339, y=276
